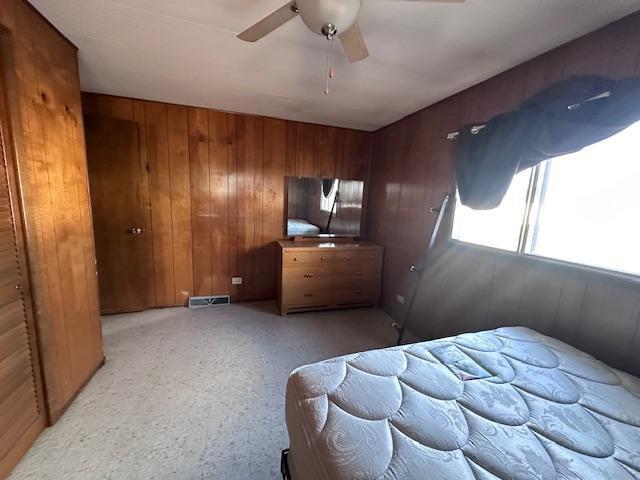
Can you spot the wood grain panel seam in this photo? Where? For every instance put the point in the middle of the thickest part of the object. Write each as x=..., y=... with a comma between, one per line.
x=557, y=309
x=582, y=306
x=520, y=299
x=173, y=255
x=148, y=211
x=260, y=235
x=233, y=220
x=191, y=112
x=491, y=289
x=209, y=139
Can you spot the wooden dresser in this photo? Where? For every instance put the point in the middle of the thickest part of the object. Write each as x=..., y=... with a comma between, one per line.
x=316, y=275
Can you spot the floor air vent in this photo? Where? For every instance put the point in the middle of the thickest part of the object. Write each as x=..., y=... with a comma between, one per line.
x=199, y=302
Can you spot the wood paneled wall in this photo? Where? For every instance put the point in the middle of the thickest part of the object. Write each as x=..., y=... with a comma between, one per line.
x=43, y=97
x=412, y=159
x=467, y=288
x=215, y=191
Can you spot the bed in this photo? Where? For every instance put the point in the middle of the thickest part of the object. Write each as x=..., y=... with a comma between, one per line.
x=298, y=226
x=507, y=403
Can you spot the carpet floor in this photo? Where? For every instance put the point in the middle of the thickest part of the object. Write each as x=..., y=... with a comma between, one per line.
x=194, y=394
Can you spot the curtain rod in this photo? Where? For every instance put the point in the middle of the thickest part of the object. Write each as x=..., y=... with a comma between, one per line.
x=476, y=128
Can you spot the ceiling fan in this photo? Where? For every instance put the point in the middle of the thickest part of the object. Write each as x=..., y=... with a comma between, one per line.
x=328, y=18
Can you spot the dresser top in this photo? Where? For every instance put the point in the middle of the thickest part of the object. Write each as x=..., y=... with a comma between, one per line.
x=329, y=245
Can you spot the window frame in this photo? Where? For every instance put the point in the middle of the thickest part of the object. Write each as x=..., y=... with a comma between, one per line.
x=551, y=261
x=525, y=228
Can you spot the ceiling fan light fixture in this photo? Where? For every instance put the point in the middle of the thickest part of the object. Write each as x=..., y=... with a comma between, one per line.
x=317, y=15
x=329, y=30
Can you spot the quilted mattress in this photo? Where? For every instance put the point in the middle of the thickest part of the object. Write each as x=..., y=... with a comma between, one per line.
x=507, y=403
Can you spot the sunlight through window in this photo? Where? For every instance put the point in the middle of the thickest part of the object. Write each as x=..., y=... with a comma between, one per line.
x=584, y=208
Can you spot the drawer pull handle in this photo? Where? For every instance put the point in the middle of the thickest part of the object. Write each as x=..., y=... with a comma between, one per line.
x=295, y=259
x=322, y=259
x=308, y=294
x=371, y=257
x=348, y=258
x=359, y=274
x=308, y=275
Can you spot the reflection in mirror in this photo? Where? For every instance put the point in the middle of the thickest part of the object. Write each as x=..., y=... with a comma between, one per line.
x=323, y=206
x=327, y=186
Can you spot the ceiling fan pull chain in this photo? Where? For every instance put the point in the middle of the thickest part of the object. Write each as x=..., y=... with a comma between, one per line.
x=329, y=66
x=326, y=70
x=331, y=59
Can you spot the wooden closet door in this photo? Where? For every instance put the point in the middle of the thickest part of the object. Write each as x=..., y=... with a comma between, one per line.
x=119, y=224
x=22, y=415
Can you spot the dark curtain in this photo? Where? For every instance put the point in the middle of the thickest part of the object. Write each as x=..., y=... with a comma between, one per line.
x=557, y=121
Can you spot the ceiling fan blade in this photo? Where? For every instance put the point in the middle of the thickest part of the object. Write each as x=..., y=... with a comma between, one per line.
x=269, y=23
x=353, y=44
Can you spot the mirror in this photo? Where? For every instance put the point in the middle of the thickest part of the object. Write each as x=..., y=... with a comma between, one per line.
x=323, y=206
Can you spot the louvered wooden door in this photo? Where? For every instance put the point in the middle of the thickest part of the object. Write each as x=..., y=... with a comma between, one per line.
x=21, y=408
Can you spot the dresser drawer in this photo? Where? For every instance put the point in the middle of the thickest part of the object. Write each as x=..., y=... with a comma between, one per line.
x=346, y=257
x=307, y=258
x=358, y=273
x=294, y=258
x=357, y=295
x=369, y=283
x=307, y=297
x=308, y=276
x=367, y=257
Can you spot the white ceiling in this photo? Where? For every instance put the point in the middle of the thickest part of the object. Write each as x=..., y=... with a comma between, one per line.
x=186, y=52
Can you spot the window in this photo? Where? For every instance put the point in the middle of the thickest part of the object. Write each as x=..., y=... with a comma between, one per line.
x=326, y=202
x=582, y=208
x=500, y=227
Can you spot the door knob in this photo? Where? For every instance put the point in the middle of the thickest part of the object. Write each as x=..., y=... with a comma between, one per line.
x=136, y=231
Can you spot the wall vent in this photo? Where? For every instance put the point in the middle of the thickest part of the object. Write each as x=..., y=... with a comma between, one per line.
x=210, y=301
